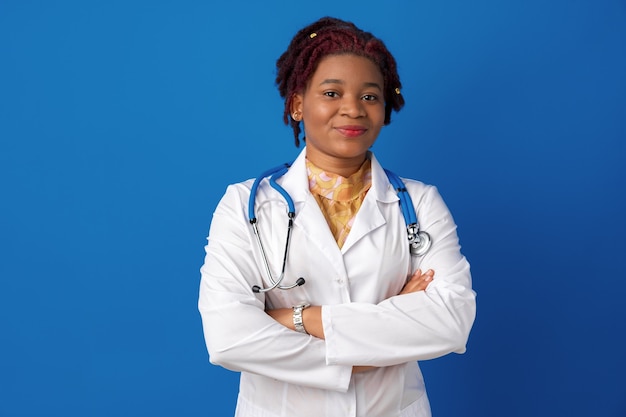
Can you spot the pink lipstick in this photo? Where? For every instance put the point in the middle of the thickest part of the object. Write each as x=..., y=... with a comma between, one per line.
x=351, y=131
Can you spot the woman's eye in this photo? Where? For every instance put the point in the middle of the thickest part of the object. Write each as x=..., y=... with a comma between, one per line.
x=332, y=94
x=370, y=97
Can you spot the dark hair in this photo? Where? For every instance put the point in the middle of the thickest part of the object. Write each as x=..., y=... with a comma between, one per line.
x=331, y=36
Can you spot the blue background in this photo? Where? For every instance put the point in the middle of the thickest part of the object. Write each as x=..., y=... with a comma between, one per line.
x=122, y=122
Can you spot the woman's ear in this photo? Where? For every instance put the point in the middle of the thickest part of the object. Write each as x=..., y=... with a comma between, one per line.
x=296, y=107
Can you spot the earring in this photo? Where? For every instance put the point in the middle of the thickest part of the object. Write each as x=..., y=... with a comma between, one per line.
x=296, y=116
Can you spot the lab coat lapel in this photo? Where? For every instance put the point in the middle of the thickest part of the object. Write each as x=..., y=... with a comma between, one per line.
x=309, y=217
x=369, y=216
x=311, y=220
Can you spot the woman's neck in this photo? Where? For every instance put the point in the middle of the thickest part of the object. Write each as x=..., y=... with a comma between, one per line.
x=340, y=166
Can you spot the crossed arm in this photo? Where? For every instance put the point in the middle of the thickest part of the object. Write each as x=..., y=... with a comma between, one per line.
x=312, y=316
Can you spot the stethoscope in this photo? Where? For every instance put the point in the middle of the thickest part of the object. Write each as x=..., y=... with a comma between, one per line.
x=419, y=241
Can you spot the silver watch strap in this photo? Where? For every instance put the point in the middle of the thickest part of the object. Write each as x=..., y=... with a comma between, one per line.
x=297, y=318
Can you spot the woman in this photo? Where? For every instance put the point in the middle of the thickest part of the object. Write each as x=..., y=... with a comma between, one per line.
x=346, y=339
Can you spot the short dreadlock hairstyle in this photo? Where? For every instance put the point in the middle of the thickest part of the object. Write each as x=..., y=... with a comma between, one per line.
x=331, y=36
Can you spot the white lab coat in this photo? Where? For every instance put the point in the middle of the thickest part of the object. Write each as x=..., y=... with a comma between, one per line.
x=285, y=373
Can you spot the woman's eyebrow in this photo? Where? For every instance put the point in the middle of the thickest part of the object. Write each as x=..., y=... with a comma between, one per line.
x=331, y=81
x=337, y=81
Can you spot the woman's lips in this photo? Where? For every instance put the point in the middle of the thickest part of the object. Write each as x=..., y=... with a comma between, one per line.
x=351, y=131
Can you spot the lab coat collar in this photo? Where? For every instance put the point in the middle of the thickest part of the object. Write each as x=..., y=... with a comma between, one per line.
x=296, y=181
x=370, y=217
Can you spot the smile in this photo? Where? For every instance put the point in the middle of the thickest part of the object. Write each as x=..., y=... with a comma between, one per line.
x=351, y=131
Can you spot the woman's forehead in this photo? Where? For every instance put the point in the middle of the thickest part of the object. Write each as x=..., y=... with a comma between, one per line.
x=345, y=68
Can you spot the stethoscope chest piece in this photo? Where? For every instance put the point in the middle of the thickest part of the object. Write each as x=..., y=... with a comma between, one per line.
x=420, y=243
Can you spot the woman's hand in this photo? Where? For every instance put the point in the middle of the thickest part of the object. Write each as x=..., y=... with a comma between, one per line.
x=418, y=281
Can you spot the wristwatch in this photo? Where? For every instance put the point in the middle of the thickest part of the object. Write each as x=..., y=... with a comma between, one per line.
x=297, y=317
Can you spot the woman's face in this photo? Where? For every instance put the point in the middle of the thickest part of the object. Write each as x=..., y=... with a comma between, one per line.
x=343, y=110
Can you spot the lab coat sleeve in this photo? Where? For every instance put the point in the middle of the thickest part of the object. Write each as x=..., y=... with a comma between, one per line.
x=239, y=335
x=417, y=326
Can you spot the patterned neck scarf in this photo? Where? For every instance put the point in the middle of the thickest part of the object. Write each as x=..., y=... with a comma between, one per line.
x=339, y=198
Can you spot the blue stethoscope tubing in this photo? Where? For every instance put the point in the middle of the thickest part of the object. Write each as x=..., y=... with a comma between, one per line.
x=419, y=241
x=274, y=174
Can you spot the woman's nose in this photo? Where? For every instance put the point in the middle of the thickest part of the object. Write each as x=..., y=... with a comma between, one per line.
x=352, y=107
